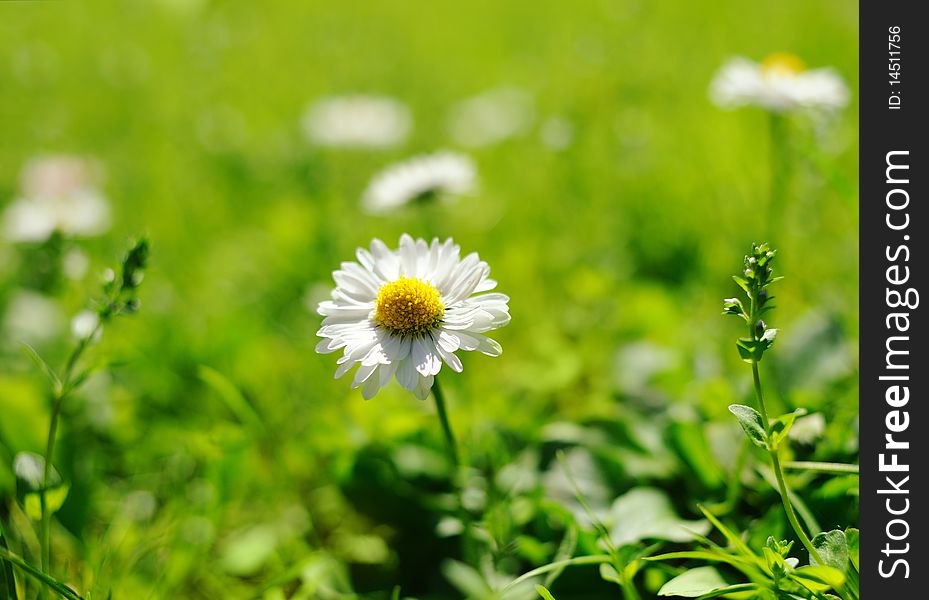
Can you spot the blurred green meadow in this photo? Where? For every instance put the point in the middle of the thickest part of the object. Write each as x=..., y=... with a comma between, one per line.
x=216, y=457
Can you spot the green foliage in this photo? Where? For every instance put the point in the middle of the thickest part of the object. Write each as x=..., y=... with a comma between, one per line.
x=208, y=453
x=752, y=424
x=694, y=583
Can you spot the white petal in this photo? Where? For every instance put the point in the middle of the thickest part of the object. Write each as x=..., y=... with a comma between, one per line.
x=386, y=372
x=371, y=386
x=387, y=265
x=424, y=385
x=406, y=374
x=343, y=368
x=450, y=358
x=407, y=254
x=363, y=373
x=425, y=357
x=481, y=343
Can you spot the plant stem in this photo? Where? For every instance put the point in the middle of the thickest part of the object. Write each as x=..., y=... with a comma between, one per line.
x=779, y=475
x=822, y=467
x=450, y=443
x=58, y=396
x=40, y=575
x=598, y=559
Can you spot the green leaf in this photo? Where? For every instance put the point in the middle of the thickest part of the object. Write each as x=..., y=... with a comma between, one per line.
x=694, y=583
x=851, y=538
x=54, y=498
x=832, y=548
x=776, y=563
x=245, y=552
x=691, y=444
x=30, y=482
x=467, y=579
x=237, y=404
x=7, y=581
x=819, y=578
x=608, y=573
x=781, y=427
x=751, y=350
x=43, y=366
x=742, y=283
x=752, y=424
x=58, y=587
x=547, y=595
x=646, y=513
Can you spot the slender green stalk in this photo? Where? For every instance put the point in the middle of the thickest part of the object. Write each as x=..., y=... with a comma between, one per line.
x=822, y=467
x=579, y=560
x=779, y=475
x=450, y=443
x=58, y=396
x=47, y=580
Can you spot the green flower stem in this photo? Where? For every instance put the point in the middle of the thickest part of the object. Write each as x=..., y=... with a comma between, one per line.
x=450, y=443
x=822, y=467
x=59, y=394
x=779, y=475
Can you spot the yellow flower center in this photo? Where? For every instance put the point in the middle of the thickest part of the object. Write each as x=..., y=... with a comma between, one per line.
x=782, y=63
x=409, y=306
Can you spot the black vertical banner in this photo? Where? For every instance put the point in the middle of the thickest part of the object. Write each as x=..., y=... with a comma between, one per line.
x=894, y=374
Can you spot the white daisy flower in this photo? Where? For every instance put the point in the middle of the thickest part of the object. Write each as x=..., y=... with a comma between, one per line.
x=780, y=83
x=422, y=177
x=357, y=122
x=491, y=117
x=59, y=193
x=404, y=312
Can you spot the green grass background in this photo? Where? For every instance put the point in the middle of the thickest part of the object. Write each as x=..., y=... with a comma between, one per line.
x=615, y=251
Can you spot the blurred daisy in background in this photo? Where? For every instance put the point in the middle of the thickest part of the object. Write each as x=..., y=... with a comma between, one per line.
x=557, y=133
x=429, y=176
x=57, y=194
x=491, y=117
x=404, y=312
x=780, y=83
x=32, y=318
x=357, y=121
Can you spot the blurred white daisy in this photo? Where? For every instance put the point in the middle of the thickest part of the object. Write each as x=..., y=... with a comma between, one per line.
x=557, y=133
x=491, y=117
x=780, y=83
x=32, y=318
x=404, y=312
x=422, y=177
x=58, y=193
x=357, y=122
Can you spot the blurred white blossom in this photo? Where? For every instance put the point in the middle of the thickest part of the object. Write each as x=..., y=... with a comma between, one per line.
x=557, y=133
x=441, y=174
x=357, y=122
x=780, y=83
x=57, y=193
x=491, y=117
x=32, y=318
